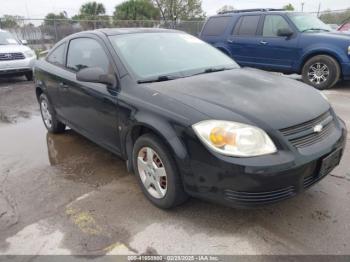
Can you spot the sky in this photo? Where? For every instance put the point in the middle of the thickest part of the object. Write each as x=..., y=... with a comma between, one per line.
x=39, y=8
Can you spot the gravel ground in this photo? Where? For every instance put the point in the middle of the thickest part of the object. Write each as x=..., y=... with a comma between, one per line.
x=61, y=194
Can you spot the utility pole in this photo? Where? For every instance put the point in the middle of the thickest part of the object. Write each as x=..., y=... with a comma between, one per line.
x=319, y=9
x=302, y=6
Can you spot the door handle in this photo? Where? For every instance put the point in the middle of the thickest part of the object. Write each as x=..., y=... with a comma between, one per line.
x=63, y=85
x=230, y=41
x=263, y=42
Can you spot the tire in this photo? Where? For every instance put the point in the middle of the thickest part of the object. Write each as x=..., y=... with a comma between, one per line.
x=174, y=194
x=328, y=75
x=49, y=117
x=29, y=76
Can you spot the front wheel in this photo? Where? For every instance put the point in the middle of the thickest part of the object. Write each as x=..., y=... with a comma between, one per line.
x=52, y=124
x=321, y=72
x=157, y=172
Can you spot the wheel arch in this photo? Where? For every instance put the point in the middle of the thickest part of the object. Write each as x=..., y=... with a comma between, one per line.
x=310, y=55
x=162, y=130
x=38, y=92
x=224, y=50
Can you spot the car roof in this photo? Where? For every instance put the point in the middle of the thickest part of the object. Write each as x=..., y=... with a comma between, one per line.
x=122, y=31
x=253, y=12
x=116, y=31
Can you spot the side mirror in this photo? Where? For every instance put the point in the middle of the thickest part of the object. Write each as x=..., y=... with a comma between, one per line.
x=285, y=32
x=96, y=75
x=24, y=42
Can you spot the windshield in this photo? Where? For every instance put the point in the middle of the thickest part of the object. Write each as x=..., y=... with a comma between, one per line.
x=151, y=55
x=306, y=22
x=7, y=38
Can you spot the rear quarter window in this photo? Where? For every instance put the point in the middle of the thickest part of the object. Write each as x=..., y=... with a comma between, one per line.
x=216, y=26
x=57, y=55
x=247, y=25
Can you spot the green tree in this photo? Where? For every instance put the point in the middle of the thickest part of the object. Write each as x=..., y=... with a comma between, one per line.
x=52, y=19
x=92, y=15
x=136, y=10
x=289, y=7
x=173, y=10
x=338, y=18
x=11, y=21
x=92, y=10
x=226, y=8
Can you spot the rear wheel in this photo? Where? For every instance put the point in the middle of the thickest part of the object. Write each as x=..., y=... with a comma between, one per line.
x=157, y=172
x=52, y=124
x=321, y=72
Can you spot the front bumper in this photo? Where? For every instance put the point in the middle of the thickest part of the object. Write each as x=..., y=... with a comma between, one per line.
x=251, y=182
x=17, y=67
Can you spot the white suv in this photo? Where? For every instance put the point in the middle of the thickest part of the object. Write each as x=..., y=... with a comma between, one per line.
x=15, y=58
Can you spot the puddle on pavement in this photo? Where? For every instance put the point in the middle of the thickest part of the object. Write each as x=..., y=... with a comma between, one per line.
x=43, y=173
x=81, y=160
x=28, y=144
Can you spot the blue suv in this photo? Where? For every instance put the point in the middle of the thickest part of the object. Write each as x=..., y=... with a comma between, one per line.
x=278, y=40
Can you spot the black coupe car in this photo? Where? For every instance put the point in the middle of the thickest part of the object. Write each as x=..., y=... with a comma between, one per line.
x=187, y=119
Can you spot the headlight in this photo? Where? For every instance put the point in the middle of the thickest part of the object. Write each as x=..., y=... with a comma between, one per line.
x=29, y=53
x=234, y=139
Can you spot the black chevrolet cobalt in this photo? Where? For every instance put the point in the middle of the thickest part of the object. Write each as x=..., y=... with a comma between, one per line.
x=187, y=119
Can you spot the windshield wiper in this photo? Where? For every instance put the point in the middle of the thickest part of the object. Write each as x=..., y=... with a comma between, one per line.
x=315, y=29
x=213, y=70
x=158, y=79
x=172, y=77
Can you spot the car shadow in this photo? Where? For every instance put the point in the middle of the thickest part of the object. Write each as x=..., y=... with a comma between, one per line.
x=342, y=85
x=7, y=80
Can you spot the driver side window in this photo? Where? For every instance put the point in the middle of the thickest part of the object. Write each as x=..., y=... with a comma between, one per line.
x=85, y=53
x=272, y=24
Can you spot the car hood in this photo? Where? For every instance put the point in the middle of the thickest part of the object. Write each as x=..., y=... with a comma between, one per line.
x=332, y=34
x=13, y=48
x=248, y=95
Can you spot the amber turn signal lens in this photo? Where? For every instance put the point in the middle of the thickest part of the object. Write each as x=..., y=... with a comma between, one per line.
x=219, y=137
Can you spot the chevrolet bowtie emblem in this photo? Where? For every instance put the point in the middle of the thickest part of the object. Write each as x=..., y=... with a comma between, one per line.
x=318, y=128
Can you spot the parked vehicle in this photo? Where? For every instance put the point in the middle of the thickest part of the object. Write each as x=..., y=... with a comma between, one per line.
x=187, y=119
x=287, y=42
x=16, y=59
x=345, y=27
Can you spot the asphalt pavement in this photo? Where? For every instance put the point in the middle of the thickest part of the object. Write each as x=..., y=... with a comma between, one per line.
x=62, y=194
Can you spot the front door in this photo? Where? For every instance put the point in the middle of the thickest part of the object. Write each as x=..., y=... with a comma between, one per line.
x=90, y=108
x=277, y=52
x=245, y=40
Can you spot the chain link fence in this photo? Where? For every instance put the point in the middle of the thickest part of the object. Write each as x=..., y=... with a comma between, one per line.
x=42, y=34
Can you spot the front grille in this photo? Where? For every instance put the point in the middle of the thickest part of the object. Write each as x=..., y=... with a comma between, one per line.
x=303, y=135
x=11, y=56
x=260, y=197
x=310, y=180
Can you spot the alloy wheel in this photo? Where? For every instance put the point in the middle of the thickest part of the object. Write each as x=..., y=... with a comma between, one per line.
x=46, y=113
x=318, y=73
x=152, y=172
